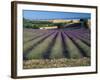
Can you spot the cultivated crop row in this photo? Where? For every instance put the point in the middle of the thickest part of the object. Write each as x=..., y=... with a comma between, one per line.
x=56, y=44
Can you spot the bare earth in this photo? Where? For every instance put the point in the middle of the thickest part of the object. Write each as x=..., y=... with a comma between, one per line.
x=55, y=63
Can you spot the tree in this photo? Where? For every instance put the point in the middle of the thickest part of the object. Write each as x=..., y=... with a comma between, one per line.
x=84, y=23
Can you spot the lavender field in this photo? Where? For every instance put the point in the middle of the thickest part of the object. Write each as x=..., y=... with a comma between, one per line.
x=52, y=48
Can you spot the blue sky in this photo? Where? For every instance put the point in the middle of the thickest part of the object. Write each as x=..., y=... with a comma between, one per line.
x=47, y=15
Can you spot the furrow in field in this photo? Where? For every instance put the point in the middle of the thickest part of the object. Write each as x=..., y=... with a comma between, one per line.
x=65, y=49
x=85, y=36
x=57, y=48
x=38, y=51
x=73, y=50
x=33, y=37
x=82, y=46
x=36, y=41
x=86, y=41
x=47, y=53
x=29, y=46
x=83, y=33
x=30, y=32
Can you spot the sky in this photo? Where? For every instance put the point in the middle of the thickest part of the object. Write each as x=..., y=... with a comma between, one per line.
x=49, y=15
